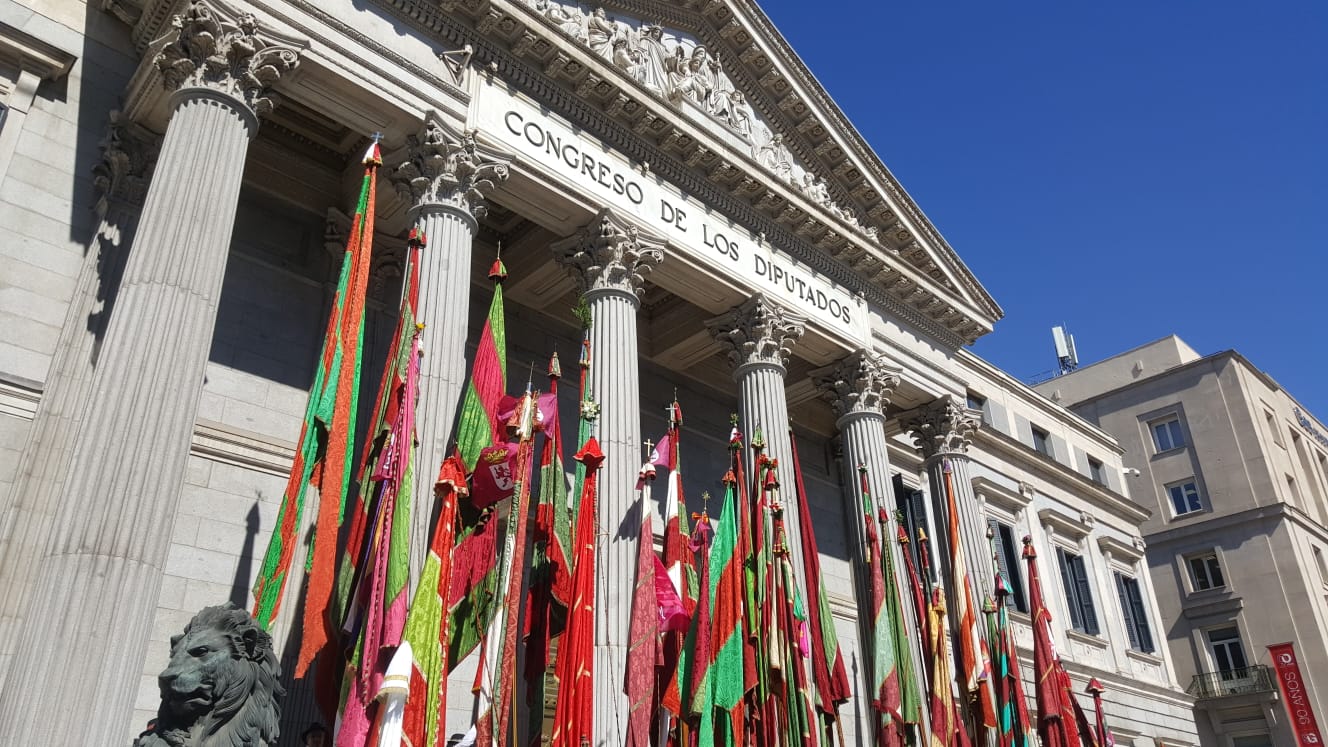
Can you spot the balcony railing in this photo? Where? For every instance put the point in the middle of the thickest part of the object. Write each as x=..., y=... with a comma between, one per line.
x=1243, y=681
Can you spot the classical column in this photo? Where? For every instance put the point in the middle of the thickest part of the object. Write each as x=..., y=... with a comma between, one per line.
x=128, y=154
x=444, y=177
x=608, y=259
x=942, y=431
x=759, y=335
x=858, y=387
x=84, y=635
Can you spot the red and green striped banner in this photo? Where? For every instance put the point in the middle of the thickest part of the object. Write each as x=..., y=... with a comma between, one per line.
x=426, y=623
x=328, y=430
x=475, y=560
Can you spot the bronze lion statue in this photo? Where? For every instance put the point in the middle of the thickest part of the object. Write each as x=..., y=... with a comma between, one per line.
x=221, y=687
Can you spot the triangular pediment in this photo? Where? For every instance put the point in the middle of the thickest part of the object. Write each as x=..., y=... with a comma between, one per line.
x=713, y=84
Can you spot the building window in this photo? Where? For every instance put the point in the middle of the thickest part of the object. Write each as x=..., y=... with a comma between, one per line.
x=1078, y=592
x=1167, y=434
x=1096, y=471
x=1041, y=441
x=1252, y=740
x=1273, y=428
x=1321, y=565
x=979, y=403
x=1293, y=492
x=1205, y=571
x=1184, y=497
x=912, y=505
x=1007, y=560
x=1136, y=616
x=1228, y=653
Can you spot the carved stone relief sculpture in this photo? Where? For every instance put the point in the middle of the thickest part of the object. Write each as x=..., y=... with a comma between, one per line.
x=679, y=69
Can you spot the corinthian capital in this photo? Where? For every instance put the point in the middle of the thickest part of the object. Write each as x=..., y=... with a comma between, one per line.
x=757, y=331
x=448, y=169
x=860, y=382
x=128, y=155
x=944, y=426
x=226, y=52
x=610, y=254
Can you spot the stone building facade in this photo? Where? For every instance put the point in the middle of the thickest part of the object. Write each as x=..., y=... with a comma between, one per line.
x=174, y=178
x=1235, y=474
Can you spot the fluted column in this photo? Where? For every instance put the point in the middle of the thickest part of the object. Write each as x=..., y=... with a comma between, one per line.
x=942, y=431
x=608, y=259
x=128, y=154
x=759, y=335
x=859, y=387
x=444, y=176
x=83, y=638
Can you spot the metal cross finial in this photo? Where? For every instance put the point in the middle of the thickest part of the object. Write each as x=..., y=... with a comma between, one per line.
x=377, y=137
x=650, y=445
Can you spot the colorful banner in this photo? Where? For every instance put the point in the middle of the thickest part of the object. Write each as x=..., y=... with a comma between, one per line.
x=1297, y=700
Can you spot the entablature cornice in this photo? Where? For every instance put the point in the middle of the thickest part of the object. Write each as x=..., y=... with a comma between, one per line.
x=1132, y=552
x=514, y=43
x=995, y=493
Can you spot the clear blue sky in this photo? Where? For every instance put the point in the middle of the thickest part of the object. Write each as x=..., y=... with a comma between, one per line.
x=1132, y=169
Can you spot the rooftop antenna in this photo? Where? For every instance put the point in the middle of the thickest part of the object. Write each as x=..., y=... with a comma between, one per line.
x=1067, y=359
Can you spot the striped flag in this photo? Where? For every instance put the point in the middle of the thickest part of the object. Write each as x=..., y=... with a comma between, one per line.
x=910, y=691
x=426, y=623
x=1057, y=722
x=328, y=430
x=680, y=564
x=475, y=563
x=886, y=697
x=574, y=717
x=828, y=670
x=723, y=687
x=1015, y=728
x=550, y=575
x=375, y=570
x=643, y=652
x=789, y=632
x=945, y=724
x=975, y=674
x=498, y=676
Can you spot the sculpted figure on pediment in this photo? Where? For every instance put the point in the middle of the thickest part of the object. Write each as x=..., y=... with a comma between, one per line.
x=600, y=31
x=652, y=59
x=740, y=114
x=568, y=20
x=774, y=155
x=675, y=65
x=625, y=57
x=694, y=77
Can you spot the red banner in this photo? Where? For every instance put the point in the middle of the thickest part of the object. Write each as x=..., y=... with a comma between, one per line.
x=1297, y=700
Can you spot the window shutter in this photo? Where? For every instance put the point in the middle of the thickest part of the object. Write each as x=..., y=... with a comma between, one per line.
x=1127, y=611
x=1016, y=581
x=1085, y=595
x=1071, y=593
x=999, y=550
x=1140, y=617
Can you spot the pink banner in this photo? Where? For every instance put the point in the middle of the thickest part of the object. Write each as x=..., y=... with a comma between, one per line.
x=1297, y=699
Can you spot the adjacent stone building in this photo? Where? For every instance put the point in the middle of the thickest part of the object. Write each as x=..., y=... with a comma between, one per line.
x=174, y=178
x=1235, y=474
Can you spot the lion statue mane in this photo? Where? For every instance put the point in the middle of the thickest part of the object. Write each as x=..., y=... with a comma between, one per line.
x=221, y=687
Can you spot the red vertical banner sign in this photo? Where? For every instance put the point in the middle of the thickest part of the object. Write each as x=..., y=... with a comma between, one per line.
x=1298, y=704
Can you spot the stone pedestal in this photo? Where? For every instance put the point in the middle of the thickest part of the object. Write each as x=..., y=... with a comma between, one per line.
x=84, y=635
x=942, y=431
x=128, y=154
x=444, y=176
x=608, y=259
